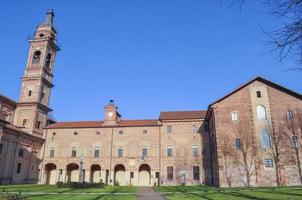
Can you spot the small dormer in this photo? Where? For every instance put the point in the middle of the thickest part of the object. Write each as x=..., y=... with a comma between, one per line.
x=112, y=117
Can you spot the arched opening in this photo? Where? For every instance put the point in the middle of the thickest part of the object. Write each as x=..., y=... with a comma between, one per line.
x=265, y=139
x=95, y=176
x=50, y=173
x=72, y=172
x=261, y=112
x=36, y=57
x=144, y=175
x=120, y=175
x=48, y=60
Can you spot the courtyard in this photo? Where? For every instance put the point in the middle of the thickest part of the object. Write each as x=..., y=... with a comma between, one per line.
x=47, y=192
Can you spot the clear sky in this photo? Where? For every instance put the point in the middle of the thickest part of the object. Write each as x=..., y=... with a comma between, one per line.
x=147, y=55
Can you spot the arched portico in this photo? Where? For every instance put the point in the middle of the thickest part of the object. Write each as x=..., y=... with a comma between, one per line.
x=50, y=173
x=120, y=174
x=72, y=172
x=95, y=176
x=144, y=175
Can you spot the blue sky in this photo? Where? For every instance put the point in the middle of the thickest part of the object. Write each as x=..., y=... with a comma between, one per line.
x=147, y=55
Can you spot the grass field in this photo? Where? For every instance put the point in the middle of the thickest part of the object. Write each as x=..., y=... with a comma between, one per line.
x=46, y=192
x=197, y=192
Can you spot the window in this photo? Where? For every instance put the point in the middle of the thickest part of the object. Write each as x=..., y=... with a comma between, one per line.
x=98, y=133
x=258, y=94
x=96, y=152
x=169, y=129
x=131, y=174
x=290, y=114
x=268, y=162
x=42, y=96
x=206, y=127
x=120, y=152
x=234, y=116
x=19, y=166
x=54, y=133
x=145, y=131
x=196, y=173
x=36, y=57
x=121, y=132
x=295, y=141
x=144, y=152
x=48, y=59
x=261, y=112
x=194, y=129
x=1, y=148
x=170, y=173
x=24, y=123
x=75, y=133
x=195, y=151
x=21, y=152
x=265, y=139
x=38, y=124
x=238, y=143
x=73, y=152
x=170, y=151
x=29, y=93
x=52, y=152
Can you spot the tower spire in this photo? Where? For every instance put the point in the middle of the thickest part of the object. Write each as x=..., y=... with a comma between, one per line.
x=49, y=18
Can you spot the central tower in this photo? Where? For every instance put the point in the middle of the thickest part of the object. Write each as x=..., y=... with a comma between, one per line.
x=33, y=107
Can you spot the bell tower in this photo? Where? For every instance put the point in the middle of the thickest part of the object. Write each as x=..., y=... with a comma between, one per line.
x=32, y=109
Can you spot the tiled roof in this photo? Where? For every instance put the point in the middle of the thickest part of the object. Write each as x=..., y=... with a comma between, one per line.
x=100, y=124
x=8, y=100
x=181, y=115
x=265, y=81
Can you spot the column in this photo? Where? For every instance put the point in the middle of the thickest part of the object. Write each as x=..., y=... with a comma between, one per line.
x=64, y=174
x=87, y=176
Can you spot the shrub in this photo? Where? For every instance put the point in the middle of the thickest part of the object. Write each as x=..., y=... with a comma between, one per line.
x=7, y=196
x=77, y=185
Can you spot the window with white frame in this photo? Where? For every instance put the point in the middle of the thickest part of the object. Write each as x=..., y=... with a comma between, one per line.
x=170, y=151
x=120, y=152
x=261, y=112
x=169, y=129
x=238, y=143
x=194, y=129
x=234, y=116
x=268, y=162
x=97, y=152
x=73, y=152
x=295, y=141
x=195, y=151
x=290, y=114
x=52, y=152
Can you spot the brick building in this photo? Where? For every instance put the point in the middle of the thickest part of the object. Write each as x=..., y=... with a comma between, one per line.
x=249, y=137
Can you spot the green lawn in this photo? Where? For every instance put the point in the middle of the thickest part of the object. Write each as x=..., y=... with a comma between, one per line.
x=38, y=192
x=197, y=192
x=112, y=193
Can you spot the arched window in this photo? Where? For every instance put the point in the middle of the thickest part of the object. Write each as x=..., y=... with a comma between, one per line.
x=261, y=112
x=48, y=60
x=36, y=57
x=265, y=139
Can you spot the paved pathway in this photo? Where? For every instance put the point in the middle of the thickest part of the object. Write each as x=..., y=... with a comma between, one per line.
x=147, y=193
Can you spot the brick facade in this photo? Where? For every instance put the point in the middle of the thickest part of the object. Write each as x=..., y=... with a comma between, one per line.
x=250, y=137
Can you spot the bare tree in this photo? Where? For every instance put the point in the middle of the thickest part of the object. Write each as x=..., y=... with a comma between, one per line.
x=228, y=153
x=247, y=149
x=293, y=126
x=276, y=136
x=286, y=40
